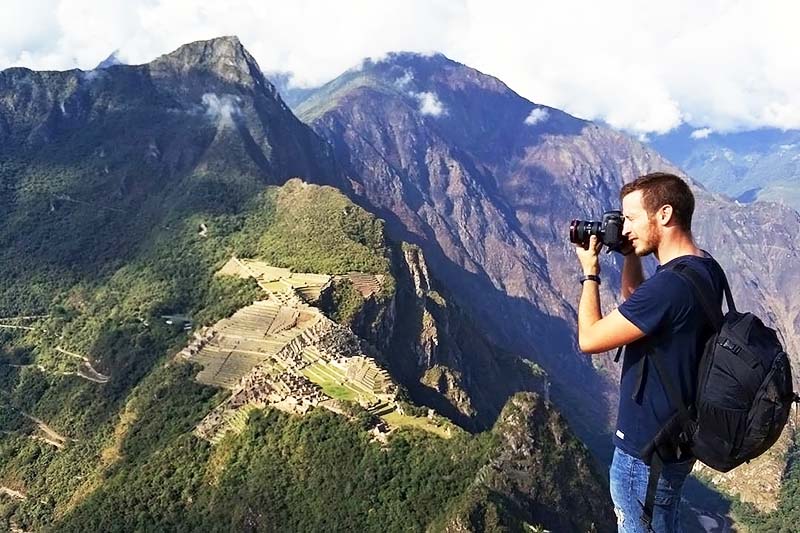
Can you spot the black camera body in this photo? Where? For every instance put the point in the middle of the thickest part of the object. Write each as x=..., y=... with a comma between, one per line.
x=608, y=231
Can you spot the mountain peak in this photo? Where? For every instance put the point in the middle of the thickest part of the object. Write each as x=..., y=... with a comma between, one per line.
x=225, y=56
x=404, y=58
x=112, y=60
x=427, y=72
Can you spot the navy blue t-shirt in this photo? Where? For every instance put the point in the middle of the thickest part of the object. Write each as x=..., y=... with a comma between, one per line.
x=665, y=308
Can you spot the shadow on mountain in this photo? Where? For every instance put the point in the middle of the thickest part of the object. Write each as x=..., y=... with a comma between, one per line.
x=704, y=510
x=576, y=387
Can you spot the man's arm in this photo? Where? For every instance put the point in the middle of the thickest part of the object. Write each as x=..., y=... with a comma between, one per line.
x=632, y=275
x=595, y=333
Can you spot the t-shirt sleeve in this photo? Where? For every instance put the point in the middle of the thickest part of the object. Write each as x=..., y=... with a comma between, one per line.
x=655, y=300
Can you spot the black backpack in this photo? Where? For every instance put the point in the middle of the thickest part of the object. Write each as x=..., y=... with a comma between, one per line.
x=744, y=393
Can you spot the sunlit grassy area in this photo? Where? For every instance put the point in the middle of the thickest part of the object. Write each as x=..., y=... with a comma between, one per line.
x=335, y=384
x=396, y=419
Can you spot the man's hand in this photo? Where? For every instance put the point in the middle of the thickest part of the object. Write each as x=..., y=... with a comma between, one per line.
x=595, y=333
x=590, y=262
x=626, y=248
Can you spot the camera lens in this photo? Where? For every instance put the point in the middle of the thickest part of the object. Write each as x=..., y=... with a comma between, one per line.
x=581, y=230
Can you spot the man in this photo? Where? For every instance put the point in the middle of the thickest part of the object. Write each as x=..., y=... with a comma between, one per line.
x=661, y=311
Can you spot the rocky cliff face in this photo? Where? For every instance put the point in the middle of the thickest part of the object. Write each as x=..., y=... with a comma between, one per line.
x=205, y=106
x=514, y=493
x=433, y=348
x=486, y=183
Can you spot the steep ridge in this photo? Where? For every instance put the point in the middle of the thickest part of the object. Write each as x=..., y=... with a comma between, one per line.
x=433, y=347
x=512, y=477
x=93, y=162
x=486, y=183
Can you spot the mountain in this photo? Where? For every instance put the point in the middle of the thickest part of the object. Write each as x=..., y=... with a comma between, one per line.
x=196, y=130
x=412, y=163
x=123, y=193
x=748, y=166
x=486, y=182
x=290, y=93
x=112, y=60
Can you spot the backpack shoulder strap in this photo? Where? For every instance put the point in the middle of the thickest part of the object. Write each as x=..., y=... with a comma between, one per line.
x=685, y=415
x=657, y=357
x=726, y=288
x=701, y=290
x=656, y=466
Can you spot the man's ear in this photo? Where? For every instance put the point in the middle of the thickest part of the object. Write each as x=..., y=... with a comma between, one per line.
x=664, y=214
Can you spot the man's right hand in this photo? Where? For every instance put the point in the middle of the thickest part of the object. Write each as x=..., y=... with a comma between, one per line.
x=626, y=248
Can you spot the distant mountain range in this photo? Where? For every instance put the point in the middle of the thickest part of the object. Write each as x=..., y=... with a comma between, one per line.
x=748, y=166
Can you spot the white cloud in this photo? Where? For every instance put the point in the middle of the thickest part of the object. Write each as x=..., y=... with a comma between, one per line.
x=722, y=65
x=221, y=109
x=429, y=104
x=536, y=116
x=702, y=133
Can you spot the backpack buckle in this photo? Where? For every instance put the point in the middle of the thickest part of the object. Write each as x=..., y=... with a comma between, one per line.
x=727, y=344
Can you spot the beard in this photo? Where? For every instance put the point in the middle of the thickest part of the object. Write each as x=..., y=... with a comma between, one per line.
x=649, y=244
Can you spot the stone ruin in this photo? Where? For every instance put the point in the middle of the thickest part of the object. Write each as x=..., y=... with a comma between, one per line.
x=277, y=379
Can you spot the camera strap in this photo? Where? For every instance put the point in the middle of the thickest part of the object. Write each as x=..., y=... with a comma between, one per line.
x=619, y=353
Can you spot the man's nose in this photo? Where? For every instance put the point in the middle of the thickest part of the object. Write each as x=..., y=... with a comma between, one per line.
x=626, y=227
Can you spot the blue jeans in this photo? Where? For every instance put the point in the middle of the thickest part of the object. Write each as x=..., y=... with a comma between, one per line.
x=628, y=480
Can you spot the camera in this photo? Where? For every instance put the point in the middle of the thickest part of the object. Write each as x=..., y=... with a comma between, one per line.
x=608, y=231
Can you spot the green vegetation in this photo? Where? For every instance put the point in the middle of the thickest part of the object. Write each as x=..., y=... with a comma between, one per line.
x=786, y=517
x=332, y=380
x=312, y=473
x=345, y=301
x=313, y=229
x=104, y=268
x=438, y=427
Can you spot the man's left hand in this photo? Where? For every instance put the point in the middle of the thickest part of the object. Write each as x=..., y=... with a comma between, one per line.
x=590, y=262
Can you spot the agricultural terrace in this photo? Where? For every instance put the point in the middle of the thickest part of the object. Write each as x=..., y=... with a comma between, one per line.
x=307, y=287
x=287, y=354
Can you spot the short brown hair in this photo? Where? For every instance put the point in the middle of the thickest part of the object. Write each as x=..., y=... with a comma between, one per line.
x=660, y=188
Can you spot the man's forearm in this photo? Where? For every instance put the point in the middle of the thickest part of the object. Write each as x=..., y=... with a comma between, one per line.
x=632, y=275
x=589, y=307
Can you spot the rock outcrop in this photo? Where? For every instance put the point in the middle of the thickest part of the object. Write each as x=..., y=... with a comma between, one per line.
x=541, y=476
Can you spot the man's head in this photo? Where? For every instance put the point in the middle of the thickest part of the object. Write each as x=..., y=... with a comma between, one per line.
x=655, y=205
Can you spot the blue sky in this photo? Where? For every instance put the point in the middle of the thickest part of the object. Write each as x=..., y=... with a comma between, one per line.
x=645, y=67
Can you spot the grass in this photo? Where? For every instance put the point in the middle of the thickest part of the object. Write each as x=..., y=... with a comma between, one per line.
x=330, y=386
x=334, y=383
x=399, y=420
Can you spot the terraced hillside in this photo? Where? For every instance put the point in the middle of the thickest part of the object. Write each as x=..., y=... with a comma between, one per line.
x=284, y=353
